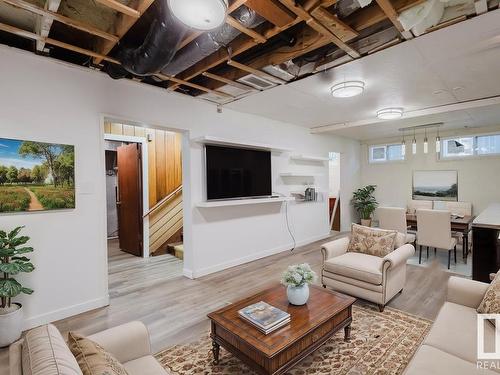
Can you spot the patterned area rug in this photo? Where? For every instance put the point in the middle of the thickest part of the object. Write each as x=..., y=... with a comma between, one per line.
x=381, y=343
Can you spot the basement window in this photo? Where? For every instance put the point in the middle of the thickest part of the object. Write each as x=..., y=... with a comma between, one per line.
x=471, y=146
x=386, y=153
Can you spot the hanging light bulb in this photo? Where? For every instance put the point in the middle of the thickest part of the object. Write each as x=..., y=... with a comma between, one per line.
x=414, y=144
x=426, y=143
x=438, y=143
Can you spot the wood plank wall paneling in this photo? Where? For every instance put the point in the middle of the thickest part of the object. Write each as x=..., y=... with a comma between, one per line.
x=164, y=158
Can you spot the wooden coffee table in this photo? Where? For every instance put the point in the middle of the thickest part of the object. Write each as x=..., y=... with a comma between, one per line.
x=311, y=325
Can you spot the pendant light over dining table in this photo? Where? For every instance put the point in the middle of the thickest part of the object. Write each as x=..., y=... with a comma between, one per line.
x=202, y=15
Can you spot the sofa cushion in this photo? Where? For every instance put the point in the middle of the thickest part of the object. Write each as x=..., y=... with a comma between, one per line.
x=410, y=238
x=455, y=332
x=357, y=266
x=145, y=366
x=432, y=361
x=491, y=301
x=92, y=358
x=44, y=351
x=371, y=241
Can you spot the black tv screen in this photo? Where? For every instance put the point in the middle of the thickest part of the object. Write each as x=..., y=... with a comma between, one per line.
x=237, y=173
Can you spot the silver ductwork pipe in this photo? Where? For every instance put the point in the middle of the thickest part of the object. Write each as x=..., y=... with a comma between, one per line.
x=208, y=43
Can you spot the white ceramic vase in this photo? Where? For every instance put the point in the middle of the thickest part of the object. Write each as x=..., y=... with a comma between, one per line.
x=298, y=295
x=11, y=326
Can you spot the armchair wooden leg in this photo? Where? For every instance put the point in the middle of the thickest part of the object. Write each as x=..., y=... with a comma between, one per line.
x=381, y=307
x=324, y=286
x=455, y=253
x=449, y=258
x=420, y=254
x=435, y=251
x=427, y=252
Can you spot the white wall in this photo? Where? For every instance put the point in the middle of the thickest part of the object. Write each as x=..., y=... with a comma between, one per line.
x=478, y=178
x=49, y=101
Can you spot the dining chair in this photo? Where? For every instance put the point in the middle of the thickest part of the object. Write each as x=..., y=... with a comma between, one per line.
x=414, y=205
x=394, y=218
x=434, y=230
x=460, y=209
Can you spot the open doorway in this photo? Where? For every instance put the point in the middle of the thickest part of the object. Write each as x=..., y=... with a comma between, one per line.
x=144, y=192
x=334, y=190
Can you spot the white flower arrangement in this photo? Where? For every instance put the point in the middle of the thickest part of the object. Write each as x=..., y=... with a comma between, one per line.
x=298, y=275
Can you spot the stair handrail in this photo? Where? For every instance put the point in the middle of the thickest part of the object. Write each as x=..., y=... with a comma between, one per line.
x=164, y=200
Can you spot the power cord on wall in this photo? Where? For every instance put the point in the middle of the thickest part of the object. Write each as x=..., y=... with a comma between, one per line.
x=287, y=219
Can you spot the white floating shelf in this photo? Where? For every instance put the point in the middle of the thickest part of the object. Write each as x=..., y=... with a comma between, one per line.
x=209, y=140
x=298, y=174
x=308, y=158
x=242, y=202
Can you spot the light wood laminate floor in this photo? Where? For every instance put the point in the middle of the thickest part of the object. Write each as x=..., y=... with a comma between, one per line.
x=174, y=308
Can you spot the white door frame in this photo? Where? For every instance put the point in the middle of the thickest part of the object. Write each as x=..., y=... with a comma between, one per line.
x=145, y=183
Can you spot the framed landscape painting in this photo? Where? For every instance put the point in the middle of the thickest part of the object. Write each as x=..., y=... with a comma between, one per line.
x=36, y=176
x=435, y=185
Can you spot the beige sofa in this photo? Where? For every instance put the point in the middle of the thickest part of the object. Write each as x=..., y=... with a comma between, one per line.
x=128, y=343
x=365, y=276
x=451, y=345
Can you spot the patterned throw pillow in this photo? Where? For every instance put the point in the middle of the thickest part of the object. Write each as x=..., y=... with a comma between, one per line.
x=370, y=241
x=491, y=301
x=92, y=358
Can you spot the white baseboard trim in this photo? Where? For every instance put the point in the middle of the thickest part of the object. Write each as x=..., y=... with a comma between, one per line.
x=236, y=262
x=187, y=273
x=65, y=312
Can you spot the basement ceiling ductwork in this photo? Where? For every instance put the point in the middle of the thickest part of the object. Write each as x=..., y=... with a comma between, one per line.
x=211, y=42
x=160, y=44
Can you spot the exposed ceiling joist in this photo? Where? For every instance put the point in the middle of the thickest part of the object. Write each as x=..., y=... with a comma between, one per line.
x=120, y=7
x=238, y=85
x=319, y=27
x=245, y=30
x=29, y=35
x=36, y=37
x=391, y=13
x=310, y=40
x=122, y=24
x=332, y=23
x=272, y=11
x=195, y=34
x=239, y=45
x=21, y=4
x=193, y=85
x=257, y=72
x=43, y=23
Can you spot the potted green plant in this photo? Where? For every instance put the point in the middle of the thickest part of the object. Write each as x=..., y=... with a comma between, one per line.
x=297, y=279
x=12, y=262
x=365, y=203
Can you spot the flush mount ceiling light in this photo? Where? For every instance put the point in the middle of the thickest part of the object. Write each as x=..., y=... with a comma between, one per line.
x=347, y=89
x=390, y=113
x=203, y=15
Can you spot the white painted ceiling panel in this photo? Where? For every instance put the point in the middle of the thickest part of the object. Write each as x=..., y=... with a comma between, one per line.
x=458, y=63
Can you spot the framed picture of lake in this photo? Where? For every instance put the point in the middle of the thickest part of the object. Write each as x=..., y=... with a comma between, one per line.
x=435, y=185
x=36, y=176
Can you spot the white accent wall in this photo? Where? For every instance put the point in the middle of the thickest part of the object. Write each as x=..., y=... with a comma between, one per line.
x=45, y=100
x=478, y=178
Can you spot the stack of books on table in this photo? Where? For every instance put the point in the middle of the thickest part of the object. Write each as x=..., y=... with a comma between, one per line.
x=264, y=317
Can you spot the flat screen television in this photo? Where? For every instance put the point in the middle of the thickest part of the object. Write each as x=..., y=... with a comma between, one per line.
x=234, y=173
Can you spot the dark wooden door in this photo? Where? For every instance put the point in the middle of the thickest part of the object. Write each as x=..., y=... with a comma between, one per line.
x=129, y=202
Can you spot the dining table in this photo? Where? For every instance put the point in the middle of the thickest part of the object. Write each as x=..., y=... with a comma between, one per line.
x=461, y=225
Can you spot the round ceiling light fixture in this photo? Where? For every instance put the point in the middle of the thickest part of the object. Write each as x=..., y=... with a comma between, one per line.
x=347, y=89
x=390, y=113
x=203, y=15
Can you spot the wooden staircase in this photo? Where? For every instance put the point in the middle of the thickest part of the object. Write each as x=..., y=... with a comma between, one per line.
x=165, y=221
